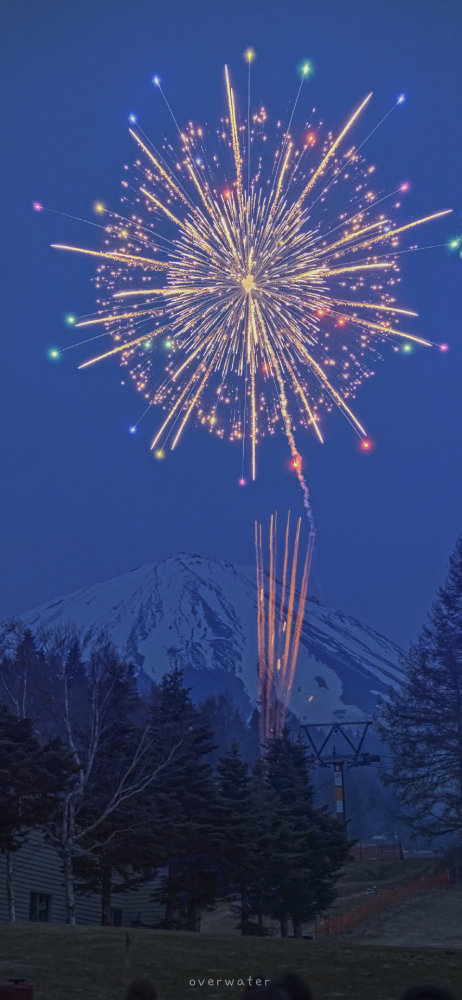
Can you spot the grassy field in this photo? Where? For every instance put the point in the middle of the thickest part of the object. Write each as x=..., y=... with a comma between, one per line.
x=66, y=963
x=433, y=921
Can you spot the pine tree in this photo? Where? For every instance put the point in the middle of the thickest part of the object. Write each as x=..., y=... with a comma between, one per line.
x=32, y=777
x=22, y=674
x=236, y=824
x=263, y=894
x=185, y=807
x=311, y=846
x=226, y=724
x=422, y=722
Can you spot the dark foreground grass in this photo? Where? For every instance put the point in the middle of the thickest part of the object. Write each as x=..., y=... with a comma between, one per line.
x=72, y=963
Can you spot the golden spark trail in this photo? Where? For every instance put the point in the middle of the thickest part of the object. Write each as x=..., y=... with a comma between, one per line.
x=322, y=166
x=188, y=361
x=356, y=267
x=254, y=422
x=173, y=410
x=252, y=385
x=262, y=599
x=384, y=329
x=260, y=666
x=160, y=168
x=189, y=411
x=284, y=572
x=124, y=347
x=110, y=319
x=262, y=672
x=272, y=600
x=204, y=199
x=281, y=178
x=322, y=272
x=300, y=613
x=350, y=237
x=279, y=626
x=235, y=137
x=341, y=402
x=290, y=606
x=162, y=207
x=373, y=305
x=168, y=290
x=120, y=257
x=402, y=229
x=306, y=404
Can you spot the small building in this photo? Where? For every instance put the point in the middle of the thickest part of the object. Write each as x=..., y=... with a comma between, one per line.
x=40, y=897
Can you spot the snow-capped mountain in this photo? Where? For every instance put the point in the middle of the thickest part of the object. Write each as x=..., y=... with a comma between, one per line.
x=202, y=614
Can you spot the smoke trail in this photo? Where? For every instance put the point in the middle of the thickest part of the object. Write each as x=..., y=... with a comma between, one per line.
x=296, y=457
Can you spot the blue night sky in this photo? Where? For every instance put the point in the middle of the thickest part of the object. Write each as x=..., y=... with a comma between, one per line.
x=83, y=499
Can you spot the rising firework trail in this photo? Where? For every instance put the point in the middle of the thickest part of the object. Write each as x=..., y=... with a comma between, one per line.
x=249, y=280
x=282, y=587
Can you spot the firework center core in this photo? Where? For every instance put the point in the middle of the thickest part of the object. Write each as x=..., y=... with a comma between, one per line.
x=248, y=283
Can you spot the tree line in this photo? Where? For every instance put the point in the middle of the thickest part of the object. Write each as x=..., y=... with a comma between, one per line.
x=128, y=788
x=421, y=722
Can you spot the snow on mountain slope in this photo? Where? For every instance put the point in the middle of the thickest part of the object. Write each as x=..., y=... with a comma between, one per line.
x=202, y=614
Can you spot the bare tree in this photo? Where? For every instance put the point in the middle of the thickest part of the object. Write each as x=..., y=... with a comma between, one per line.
x=82, y=703
x=96, y=689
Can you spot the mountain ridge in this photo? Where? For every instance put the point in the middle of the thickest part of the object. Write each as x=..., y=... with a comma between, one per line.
x=201, y=613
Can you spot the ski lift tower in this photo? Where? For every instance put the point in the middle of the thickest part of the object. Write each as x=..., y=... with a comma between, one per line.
x=325, y=754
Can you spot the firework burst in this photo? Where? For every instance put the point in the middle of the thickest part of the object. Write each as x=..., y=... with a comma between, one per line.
x=249, y=280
